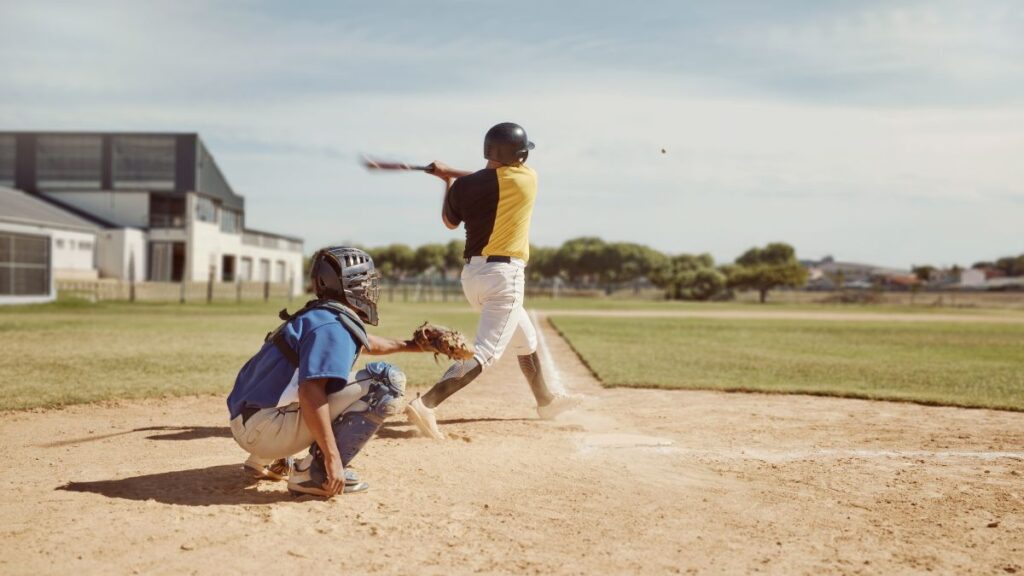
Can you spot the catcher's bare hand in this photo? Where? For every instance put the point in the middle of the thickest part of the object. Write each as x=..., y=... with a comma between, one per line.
x=335, y=482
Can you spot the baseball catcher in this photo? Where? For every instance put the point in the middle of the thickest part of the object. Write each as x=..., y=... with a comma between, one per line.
x=297, y=393
x=496, y=205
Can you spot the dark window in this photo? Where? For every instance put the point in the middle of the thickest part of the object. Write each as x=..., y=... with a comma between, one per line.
x=230, y=221
x=144, y=162
x=8, y=153
x=24, y=264
x=206, y=210
x=166, y=211
x=166, y=261
x=227, y=268
x=69, y=162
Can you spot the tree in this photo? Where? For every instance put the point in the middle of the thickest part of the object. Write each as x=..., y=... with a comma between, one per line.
x=689, y=277
x=453, y=254
x=923, y=273
x=581, y=257
x=393, y=260
x=430, y=256
x=542, y=263
x=764, y=269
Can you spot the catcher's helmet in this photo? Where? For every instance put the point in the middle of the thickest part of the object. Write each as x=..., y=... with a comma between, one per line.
x=347, y=275
x=507, y=143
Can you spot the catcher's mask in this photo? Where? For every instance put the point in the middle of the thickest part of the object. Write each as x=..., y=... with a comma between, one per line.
x=507, y=143
x=347, y=275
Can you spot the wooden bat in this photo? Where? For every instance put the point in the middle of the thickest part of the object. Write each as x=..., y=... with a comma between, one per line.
x=372, y=164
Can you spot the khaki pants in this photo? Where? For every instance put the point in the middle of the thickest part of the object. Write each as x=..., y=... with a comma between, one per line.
x=280, y=432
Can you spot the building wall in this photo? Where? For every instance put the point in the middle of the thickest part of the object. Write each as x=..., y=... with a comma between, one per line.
x=115, y=250
x=73, y=254
x=123, y=208
x=31, y=231
x=207, y=246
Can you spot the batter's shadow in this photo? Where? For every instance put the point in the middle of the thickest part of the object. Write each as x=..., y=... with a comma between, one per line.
x=216, y=485
x=404, y=430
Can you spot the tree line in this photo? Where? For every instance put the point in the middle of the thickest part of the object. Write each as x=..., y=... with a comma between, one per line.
x=591, y=261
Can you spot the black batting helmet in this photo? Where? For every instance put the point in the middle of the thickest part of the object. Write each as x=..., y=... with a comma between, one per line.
x=507, y=143
x=347, y=275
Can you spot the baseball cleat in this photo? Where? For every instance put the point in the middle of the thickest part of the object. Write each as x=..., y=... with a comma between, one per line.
x=560, y=404
x=276, y=470
x=423, y=418
x=309, y=481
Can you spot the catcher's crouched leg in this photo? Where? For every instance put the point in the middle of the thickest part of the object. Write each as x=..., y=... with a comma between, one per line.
x=355, y=427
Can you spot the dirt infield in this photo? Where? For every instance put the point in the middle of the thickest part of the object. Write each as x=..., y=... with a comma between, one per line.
x=638, y=481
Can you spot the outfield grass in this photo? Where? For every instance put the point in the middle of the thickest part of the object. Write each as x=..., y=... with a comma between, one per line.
x=74, y=352
x=975, y=365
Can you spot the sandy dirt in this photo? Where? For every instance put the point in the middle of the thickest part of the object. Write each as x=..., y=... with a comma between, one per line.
x=637, y=481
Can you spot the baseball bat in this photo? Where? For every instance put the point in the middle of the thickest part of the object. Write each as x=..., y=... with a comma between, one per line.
x=373, y=164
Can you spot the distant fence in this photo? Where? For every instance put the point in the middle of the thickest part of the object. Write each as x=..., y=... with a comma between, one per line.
x=109, y=289
x=412, y=291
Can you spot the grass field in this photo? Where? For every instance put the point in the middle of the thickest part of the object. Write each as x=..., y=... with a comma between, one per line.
x=976, y=365
x=74, y=352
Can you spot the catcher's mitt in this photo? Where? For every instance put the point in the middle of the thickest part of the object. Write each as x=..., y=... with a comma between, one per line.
x=441, y=340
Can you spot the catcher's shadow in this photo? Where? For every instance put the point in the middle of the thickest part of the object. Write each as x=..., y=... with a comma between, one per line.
x=212, y=486
x=163, y=433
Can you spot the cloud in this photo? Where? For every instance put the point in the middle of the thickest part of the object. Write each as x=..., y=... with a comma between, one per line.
x=875, y=131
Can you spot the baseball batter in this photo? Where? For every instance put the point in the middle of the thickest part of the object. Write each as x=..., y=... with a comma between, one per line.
x=496, y=205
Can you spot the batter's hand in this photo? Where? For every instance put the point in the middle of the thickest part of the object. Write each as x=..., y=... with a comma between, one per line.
x=335, y=482
x=442, y=170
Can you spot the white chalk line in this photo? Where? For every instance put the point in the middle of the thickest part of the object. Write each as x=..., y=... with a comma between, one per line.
x=826, y=454
x=553, y=376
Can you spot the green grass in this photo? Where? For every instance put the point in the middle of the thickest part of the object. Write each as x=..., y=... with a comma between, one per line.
x=975, y=365
x=74, y=352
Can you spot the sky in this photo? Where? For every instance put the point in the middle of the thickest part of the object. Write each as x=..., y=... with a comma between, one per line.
x=883, y=132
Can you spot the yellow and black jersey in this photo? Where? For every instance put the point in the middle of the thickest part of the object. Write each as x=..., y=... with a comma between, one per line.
x=496, y=205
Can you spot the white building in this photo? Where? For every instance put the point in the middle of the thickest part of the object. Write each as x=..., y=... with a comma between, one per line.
x=38, y=243
x=158, y=206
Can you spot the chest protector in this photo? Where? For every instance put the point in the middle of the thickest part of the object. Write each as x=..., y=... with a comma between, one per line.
x=346, y=317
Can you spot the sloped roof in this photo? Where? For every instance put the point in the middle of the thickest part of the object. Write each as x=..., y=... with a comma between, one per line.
x=21, y=208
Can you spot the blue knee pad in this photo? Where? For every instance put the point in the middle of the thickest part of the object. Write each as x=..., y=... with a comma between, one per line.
x=352, y=430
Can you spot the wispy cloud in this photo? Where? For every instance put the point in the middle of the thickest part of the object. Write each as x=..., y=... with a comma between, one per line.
x=872, y=130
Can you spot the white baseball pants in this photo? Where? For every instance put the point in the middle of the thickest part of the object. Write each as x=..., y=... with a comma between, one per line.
x=495, y=289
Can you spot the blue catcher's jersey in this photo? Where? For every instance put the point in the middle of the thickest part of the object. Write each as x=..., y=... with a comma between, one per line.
x=326, y=349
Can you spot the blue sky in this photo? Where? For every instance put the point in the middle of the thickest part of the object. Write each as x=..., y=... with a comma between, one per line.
x=887, y=132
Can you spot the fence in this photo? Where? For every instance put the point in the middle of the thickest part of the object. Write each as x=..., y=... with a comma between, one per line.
x=109, y=289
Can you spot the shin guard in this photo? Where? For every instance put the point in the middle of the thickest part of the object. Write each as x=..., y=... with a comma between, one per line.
x=530, y=365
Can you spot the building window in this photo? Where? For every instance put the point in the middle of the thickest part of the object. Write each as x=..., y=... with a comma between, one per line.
x=279, y=271
x=69, y=162
x=245, y=269
x=59, y=242
x=8, y=160
x=166, y=261
x=166, y=211
x=227, y=268
x=144, y=162
x=24, y=265
x=230, y=221
x=264, y=270
x=206, y=210
x=85, y=245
